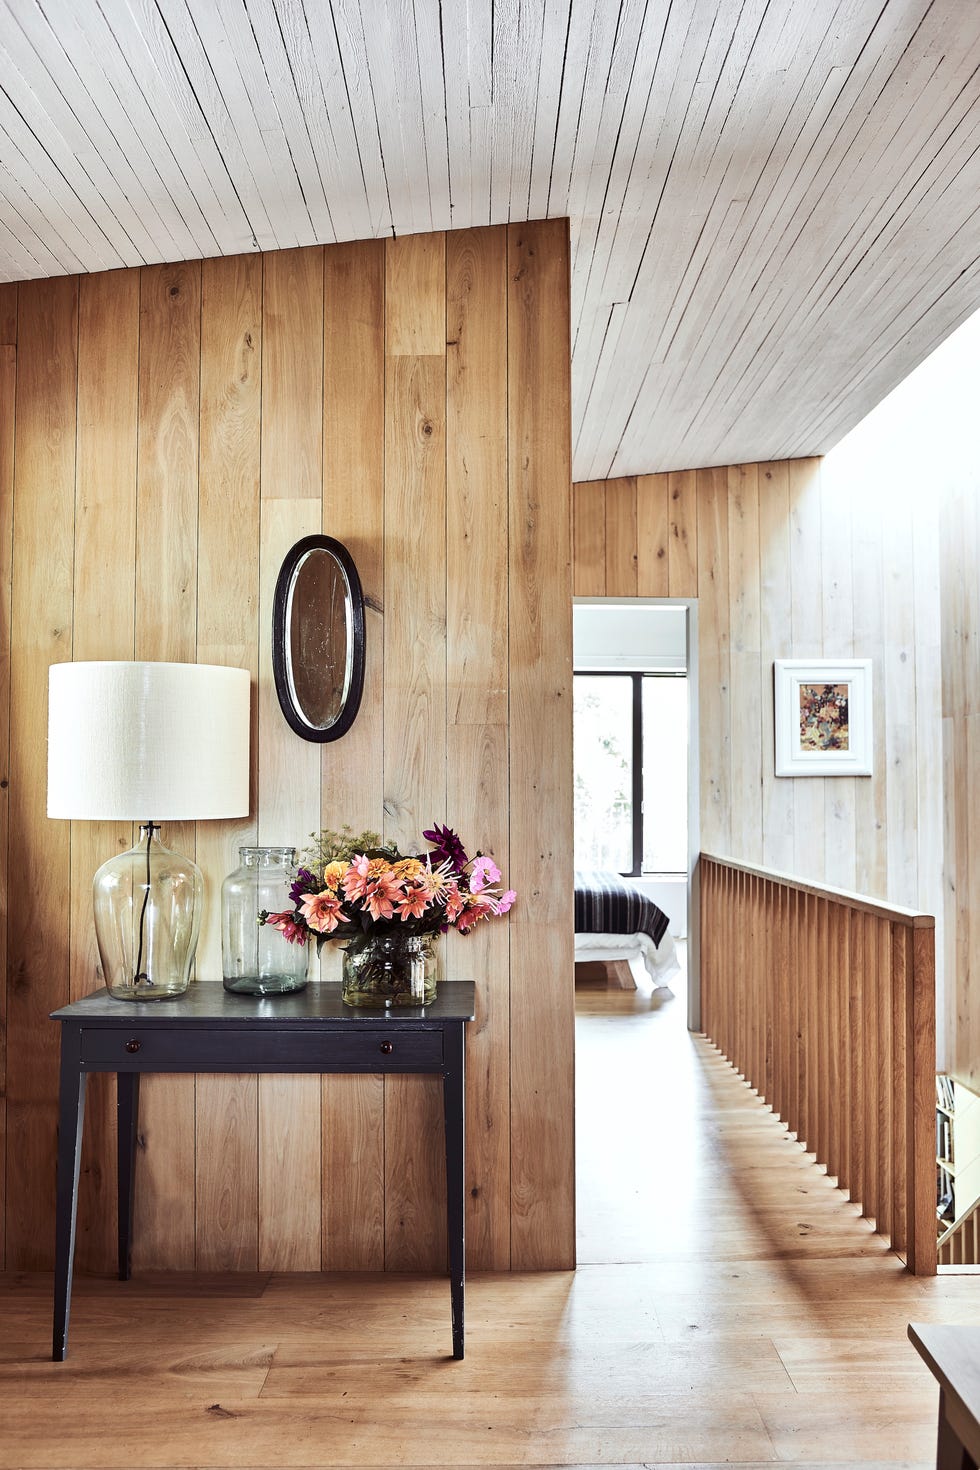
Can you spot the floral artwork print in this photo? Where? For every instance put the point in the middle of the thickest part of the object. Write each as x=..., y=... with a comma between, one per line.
x=824, y=717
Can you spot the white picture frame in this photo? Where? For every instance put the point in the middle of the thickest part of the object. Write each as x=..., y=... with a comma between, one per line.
x=824, y=717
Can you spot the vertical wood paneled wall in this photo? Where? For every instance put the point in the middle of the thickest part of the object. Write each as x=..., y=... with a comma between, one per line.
x=166, y=434
x=788, y=560
x=960, y=558
x=825, y=1003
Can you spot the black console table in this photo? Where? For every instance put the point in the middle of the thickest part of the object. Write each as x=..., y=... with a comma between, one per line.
x=208, y=1030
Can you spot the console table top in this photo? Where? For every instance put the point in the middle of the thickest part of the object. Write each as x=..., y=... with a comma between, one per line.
x=208, y=1001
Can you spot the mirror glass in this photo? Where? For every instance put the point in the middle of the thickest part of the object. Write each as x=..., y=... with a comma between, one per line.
x=318, y=638
x=319, y=622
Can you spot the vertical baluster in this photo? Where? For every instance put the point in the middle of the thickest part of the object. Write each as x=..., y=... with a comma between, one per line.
x=758, y=987
x=898, y=1084
x=725, y=960
x=813, y=1008
x=769, y=966
x=818, y=1071
x=797, y=958
x=844, y=1045
x=738, y=998
x=869, y=1199
x=804, y=906
x=856, y=1056
x=781, y=1017
x=707, y=943
x=921, y=1091
x=831, y=1066
x=883, y=1088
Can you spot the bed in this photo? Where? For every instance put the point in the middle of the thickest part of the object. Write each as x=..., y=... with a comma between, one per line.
x=615, y=920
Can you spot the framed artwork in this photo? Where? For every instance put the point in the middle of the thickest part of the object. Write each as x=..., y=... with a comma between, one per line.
x=824, y=721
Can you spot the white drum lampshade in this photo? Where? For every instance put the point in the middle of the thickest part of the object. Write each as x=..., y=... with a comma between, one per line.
x=147, y=742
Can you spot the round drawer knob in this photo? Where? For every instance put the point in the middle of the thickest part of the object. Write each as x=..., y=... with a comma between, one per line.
x=133, y=1045
x=387, y=1047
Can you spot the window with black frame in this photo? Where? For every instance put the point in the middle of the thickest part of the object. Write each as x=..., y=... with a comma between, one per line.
x=631, y=772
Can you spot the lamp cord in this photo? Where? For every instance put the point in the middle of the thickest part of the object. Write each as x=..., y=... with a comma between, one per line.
x=151, y=827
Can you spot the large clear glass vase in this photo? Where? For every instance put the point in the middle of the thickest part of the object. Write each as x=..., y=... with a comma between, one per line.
x=148, y=905
x=391, y=969
x=257, y=959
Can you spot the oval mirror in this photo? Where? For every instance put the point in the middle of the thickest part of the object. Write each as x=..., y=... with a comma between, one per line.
x=318, y=638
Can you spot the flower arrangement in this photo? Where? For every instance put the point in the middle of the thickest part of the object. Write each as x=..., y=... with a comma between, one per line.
x=351, y=887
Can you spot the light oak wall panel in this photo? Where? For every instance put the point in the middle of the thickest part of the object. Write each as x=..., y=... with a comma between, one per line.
x=291, y=490
x=590, y=539
x=8, y=387
x=714, y=610
x=477, y=641
x=411, y=398
x=959, y=537
x=226, y=1139
x=790, y=559
x=652, y=534
x=8, y=316
x=415, y=692
x=104, y=627
x=167, y=507
x=352, y=770
x=290, y=1158
x=542, y=968
x=40, y=634
x=775, y=611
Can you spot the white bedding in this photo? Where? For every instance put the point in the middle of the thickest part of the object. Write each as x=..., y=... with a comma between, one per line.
x=660, y=959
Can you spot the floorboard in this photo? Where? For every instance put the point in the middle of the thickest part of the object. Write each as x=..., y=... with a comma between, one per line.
x=729, y=1308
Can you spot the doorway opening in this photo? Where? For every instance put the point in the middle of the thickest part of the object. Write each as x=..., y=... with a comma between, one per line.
x=636, y=754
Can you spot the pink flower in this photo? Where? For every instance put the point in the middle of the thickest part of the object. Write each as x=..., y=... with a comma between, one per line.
x=380, y=898
x=322, y=912
x=355, y=879
x=485, y=871
x=506, y=902
x=472, y=914
x=287, y=926
x=455, y=902
x=413, y=903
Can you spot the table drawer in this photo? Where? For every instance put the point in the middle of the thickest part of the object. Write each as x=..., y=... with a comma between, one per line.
x=180, y=1049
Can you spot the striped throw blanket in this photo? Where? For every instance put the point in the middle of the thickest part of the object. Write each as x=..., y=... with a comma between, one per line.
x=605, y=903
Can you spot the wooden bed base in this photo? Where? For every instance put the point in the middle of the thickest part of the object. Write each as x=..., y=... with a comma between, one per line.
x=614, y=974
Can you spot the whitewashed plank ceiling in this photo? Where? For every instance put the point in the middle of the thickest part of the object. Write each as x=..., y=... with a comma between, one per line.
x=774, y=204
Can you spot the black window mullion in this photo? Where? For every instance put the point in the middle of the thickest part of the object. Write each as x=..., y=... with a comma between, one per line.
x=637, y=774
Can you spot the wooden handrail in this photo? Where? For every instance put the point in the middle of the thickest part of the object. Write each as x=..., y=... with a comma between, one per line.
x=957, y=1224
x=857, y=901
x=824, y=1001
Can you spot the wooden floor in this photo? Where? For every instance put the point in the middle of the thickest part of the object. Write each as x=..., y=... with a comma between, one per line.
x=729, y=1307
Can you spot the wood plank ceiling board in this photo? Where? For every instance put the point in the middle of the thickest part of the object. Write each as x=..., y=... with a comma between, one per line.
x=772, y=205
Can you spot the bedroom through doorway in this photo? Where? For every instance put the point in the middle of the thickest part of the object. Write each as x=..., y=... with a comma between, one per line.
x=636, y=791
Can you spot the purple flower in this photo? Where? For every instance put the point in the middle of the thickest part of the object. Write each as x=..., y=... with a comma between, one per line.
x=446, y=847
x=302, y=883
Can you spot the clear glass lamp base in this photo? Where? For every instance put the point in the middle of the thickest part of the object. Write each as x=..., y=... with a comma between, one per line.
x=148, y=904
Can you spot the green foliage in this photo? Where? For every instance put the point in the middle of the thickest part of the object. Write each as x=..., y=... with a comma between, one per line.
x=343, y=846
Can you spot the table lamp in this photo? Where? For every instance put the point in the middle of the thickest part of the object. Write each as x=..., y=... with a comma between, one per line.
x=147, y=742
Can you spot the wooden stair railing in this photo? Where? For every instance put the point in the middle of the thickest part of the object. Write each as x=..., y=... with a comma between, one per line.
x=825, y=1003
x=959, y=1243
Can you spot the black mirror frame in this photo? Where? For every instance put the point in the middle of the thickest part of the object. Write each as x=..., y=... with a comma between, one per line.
x=280, y=655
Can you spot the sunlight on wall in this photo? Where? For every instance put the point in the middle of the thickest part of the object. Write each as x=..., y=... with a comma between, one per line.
x=926, y=433
x=915, y=460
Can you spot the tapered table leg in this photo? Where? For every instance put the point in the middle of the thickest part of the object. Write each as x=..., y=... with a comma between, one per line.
x=127, y=1124
x=453, y=1094
x=71, y=1119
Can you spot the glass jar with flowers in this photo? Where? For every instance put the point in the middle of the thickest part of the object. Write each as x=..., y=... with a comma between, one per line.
x=388, y=908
